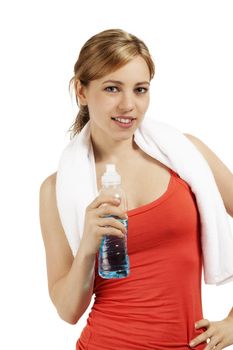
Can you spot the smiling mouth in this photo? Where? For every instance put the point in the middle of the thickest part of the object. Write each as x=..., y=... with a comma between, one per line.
x=123, y=118
x=124, y=122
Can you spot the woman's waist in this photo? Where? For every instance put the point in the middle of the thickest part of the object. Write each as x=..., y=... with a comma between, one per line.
x=161, y=299
x=109, y=333
x=142, y=313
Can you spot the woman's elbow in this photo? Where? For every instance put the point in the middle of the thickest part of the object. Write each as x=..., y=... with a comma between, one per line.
x=69, y=318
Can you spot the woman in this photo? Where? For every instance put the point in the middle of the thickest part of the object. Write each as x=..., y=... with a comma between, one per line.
x=154, y=308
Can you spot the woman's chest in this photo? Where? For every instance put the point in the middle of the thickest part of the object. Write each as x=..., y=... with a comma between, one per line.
x=143, y=181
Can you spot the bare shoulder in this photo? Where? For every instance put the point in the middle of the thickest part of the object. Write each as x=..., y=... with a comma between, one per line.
x=59, y=257
x=48, y=184
x=222, y=174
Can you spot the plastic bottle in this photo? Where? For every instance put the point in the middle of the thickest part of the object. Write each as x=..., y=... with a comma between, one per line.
x=113, y=260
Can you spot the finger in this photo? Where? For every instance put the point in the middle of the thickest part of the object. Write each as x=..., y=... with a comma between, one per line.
x=202, y=323
x=214, y=341
x=200, y=339
x=103, y=199
x=111, y=210
x=196, y=341
x=111, y=231
x=214, y=344
x=113, y=223
x=215, y=347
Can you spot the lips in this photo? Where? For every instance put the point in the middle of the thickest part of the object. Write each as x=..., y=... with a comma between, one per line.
x=123, y=125
x=123, y=117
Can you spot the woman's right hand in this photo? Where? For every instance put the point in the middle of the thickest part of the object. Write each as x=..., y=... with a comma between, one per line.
x=95, y=223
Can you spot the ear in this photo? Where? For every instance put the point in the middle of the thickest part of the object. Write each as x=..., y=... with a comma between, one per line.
x=80, y=90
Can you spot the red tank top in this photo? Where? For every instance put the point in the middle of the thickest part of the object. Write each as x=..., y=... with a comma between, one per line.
x=155, y=307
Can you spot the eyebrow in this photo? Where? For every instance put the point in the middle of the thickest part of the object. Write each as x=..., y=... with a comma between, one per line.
x=121, y=83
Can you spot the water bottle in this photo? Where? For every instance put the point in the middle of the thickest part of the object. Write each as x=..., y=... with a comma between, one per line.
x=113, y=260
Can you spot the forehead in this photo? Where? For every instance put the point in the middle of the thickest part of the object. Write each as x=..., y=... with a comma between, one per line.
x=136, y=71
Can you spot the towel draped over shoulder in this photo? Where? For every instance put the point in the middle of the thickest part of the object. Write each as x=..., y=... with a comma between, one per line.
x=76, y=188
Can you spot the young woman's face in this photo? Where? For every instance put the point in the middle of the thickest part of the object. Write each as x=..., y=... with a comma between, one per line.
x=123, y=93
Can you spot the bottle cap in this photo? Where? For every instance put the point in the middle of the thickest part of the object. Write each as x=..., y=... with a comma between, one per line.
x=111, y=176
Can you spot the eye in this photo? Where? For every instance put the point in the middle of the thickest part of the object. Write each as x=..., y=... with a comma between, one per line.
x=142, y=88
x=110, y=87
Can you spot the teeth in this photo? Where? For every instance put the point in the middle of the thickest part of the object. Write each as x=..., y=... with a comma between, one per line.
x=125, y=121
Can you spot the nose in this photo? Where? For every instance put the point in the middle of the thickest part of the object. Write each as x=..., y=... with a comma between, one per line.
x=126, y=102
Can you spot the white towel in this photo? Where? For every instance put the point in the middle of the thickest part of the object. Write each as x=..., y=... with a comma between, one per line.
x=76, y=188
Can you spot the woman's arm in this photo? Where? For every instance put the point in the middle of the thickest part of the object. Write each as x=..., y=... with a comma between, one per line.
x=70, y=280
x=223, y=176
x=72, y=293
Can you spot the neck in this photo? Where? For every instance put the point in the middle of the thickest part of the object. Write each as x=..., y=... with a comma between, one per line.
x=113, y=151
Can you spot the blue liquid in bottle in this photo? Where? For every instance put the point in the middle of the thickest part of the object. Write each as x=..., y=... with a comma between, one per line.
x=113, y=257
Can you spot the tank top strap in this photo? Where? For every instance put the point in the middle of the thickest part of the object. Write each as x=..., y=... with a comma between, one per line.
x=173, y=172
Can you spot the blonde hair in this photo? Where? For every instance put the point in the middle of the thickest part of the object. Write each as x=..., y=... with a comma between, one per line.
x=102, y=54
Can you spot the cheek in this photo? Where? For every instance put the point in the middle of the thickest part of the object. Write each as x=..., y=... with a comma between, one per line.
x=144, y=103
x=100, y=105
x=102, y=102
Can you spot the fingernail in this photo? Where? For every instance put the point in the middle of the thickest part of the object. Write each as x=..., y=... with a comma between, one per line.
x=191, y=344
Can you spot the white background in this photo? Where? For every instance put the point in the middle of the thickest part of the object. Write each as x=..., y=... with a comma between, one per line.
x=191, y=43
